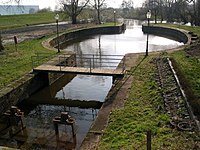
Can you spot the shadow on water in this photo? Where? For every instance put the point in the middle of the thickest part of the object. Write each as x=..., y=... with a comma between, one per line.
x=39, y=111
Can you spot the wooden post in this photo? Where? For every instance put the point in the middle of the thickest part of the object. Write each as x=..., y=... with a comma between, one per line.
x=15, y=40
x=56, y=128
x=149, y=140
x=90, y=65
x=93, y=61
x=60, y=63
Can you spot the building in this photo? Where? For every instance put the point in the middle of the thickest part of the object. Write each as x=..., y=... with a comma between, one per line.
x=18, y=9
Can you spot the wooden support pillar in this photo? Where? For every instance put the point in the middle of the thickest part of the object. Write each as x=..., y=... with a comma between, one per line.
x=113, y=79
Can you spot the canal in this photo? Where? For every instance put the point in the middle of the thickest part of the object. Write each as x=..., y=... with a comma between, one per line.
x=80, y=95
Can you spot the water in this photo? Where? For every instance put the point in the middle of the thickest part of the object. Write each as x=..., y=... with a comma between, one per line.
x=81, y=96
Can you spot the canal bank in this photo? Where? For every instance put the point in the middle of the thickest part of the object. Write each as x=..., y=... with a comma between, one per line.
x=179, y=35
x=25, y=86
x=96, y=132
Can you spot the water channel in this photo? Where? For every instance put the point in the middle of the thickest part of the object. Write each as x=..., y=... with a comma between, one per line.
x=80, y=95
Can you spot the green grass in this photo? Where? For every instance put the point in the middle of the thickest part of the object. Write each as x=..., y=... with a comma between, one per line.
x=193, y=29
x=14, y=21
x=143, y=111
x=189, y=73
x=16, y=63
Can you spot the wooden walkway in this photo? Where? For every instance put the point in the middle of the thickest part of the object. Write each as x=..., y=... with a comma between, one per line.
x=65, y=63
x=79, y=70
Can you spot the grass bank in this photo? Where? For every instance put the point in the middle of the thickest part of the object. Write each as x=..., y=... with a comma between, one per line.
x=127, y=127
x=143, y=111
x=16, y=63
x=187, y=67
x=14, y=21
x=194, y=29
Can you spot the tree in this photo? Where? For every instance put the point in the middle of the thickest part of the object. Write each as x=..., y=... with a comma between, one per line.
x=11, y=1
x=73, y=8
x=127, y=7
x=98, y=4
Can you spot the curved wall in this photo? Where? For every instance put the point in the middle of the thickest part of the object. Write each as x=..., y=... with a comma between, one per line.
x=175, y=34
x=67, y=37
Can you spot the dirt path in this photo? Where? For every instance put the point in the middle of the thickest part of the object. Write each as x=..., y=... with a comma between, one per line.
x=31, y=32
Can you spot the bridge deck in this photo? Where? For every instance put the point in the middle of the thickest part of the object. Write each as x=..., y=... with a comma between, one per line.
x=78, y=70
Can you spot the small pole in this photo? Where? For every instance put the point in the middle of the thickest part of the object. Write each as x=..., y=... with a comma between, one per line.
x=58, y=43
x=60, y=63
x=15, y=40
x=93, y=61
x=149, y=140
x=90, y=65
x=114, y=18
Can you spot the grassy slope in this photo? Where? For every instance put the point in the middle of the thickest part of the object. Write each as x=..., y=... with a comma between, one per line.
x=16, y=63
x=188, y=28
x=128, y=126
x=13, y=21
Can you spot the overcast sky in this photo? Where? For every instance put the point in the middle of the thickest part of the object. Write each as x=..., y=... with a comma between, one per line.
x=52, y=3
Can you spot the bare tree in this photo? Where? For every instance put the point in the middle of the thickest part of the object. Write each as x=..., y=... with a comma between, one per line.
x=11, y=1
x=73, y=8
x=127, y=6
x=98, y=4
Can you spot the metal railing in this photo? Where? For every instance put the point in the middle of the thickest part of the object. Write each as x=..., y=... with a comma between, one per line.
x=85, y=61
x=41, y=58
x=101, y=61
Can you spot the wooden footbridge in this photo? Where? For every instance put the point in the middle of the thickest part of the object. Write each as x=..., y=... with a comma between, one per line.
x=104, y=65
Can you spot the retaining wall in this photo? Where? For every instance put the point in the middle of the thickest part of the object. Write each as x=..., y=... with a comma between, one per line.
x=175, y=34
x=70, y=36
x=21, y=89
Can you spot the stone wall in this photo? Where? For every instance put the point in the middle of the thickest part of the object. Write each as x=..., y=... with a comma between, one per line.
x=21, y=89
x=80, y=33
x=174, y=34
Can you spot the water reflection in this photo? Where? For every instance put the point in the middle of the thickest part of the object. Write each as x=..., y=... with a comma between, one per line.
x=133, y=40
x=86, y=88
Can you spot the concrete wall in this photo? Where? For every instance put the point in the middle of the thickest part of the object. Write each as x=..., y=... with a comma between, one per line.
x=67, y=37
x=175, y=34
x=21, y=89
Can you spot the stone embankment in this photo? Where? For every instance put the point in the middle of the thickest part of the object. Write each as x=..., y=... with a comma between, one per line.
x=179, y=35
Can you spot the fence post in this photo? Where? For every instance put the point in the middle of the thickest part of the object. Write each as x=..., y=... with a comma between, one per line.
x=93, y=61
x=59, y=63
x=149, y=140
x=90, y=65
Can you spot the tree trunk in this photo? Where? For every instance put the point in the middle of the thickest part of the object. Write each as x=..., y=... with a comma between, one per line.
x=74, y=20
x=98, y=16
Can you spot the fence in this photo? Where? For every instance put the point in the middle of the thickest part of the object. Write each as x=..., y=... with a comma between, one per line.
x=90, y=61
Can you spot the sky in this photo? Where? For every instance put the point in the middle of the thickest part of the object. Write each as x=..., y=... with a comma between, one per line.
x=53, y=3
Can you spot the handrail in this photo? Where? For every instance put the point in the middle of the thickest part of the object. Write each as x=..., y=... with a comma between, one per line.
x=91, y=62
